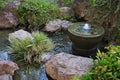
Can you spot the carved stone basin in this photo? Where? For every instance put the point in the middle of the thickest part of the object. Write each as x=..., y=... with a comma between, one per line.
x=85, y=36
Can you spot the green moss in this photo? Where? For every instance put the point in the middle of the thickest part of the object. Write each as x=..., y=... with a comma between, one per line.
x=29, y=50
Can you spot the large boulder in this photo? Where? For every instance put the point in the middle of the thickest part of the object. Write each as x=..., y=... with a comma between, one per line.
x=8, y=15
x=66, y=66
x=7, y=67
x=20, y=34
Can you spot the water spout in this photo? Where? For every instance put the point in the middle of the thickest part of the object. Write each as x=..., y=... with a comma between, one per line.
x=86, y=28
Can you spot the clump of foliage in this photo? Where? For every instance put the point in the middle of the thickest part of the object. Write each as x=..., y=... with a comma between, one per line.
x=66, y=2
x=37, y=12
x=30, y=50
x=2, y=2
x=87, y=76
x=108, y=11
x=106, y=66
x=110, y=5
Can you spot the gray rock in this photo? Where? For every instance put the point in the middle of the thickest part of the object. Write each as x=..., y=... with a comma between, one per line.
x=66, y=66
x=54, y=25
x=57, y=24
x=7, y=20
x=12, y=7
x=20, y=34
x=6, y=77
x=7, y=67
x=66, y=12
x=8, y=15
x=45, y=57
x=65, y=24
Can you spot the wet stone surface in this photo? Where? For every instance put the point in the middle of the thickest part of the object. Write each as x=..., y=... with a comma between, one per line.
x=3, y=39
x=31, y=73
x=4, y=44
x=61, y=42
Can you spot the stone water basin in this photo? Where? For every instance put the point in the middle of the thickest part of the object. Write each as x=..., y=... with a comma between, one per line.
x=85, y=40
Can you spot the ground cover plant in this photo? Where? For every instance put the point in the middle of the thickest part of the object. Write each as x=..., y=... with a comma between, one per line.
x=37, y=12
x=106, y=66
x=66, y=2
x=3, y=2
x=28, y=50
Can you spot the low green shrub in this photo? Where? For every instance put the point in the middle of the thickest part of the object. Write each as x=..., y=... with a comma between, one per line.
x=37, y=12
x=66, y=2
x=106, y=66
x=2, y=2
x=30, y=50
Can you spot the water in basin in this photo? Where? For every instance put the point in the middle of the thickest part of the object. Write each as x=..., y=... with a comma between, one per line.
x=85, y=30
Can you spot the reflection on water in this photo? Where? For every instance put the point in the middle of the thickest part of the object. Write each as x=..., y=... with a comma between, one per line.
x=4, y=39
x=61, y=42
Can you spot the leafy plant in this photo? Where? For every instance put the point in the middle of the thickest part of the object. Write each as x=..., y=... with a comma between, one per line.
x=87, y=76
x=37, y=12
x=93, y=2
x=2, y=2
x=106, y=66
x=29, y=50
x=66, y=2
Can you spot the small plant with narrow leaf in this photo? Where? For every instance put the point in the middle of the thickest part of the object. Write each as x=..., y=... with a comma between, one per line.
x=29, y=50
